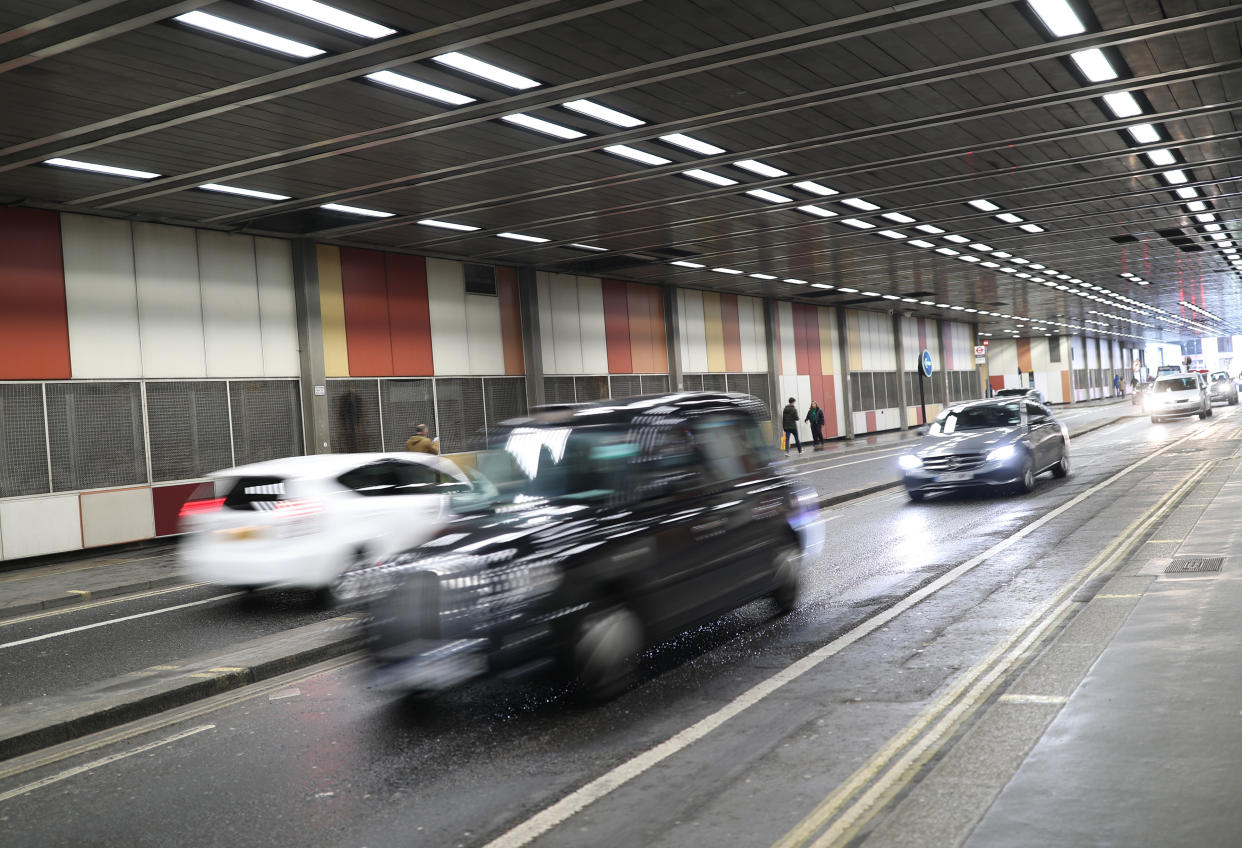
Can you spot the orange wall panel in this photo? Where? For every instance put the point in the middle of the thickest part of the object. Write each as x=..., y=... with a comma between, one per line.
x=646, y=316
x=365, y=289
x=34, y=326
x=659, y=338
x=1024, y=356
x=732, y=332
x=409, y=319
x=617, y=327
x=510, y=321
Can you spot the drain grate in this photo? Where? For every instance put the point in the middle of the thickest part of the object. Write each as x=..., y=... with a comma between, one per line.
x=1183, y=565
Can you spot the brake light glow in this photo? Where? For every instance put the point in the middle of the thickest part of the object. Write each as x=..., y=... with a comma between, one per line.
x=295, y=507
x=196, y=507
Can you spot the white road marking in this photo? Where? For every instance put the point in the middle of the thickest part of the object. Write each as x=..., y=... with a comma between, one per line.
x=112, y=758
x=31, y=639
x=843, y=464
x=578, y=800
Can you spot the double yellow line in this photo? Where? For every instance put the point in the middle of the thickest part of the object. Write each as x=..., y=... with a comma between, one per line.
x=842, y=815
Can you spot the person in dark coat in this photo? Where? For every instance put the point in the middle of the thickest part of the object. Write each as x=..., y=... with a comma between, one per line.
x=789, y=421
x=420, y=442
x=815, y=417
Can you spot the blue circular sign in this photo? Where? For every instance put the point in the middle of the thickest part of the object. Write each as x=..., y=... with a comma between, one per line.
x=926, y=362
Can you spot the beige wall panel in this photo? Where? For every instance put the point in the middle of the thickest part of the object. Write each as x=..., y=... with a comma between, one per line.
x=100, y=297
x=45, y=525
x=124, y=515
x=170, y=306
x=695, y=338
x=566, y=325
x=278, y=319
x=487, y=354
x=591, y=324
x=232, y=338
x=446, y=304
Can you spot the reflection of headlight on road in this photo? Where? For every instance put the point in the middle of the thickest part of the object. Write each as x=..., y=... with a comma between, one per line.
x=1001, y=454
x=909, y=462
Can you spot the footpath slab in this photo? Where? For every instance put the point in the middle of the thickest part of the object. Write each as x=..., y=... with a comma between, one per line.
x=67, y=581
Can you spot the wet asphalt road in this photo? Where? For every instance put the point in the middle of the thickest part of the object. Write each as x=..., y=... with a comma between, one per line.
x=322, y=760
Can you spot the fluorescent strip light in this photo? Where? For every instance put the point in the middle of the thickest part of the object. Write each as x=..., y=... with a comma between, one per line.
x=818, y=211
x=890, y=297
x=1122, y=104
x=1032, y=228
x=1207, y=216
x=243, y=192
x=822, y=286
x=539, y=125
x=1161, y=156
x=860, y=204
x=769, y=196
x=1175, y=177
x=332, y=17
x=762, y=276
x=684, y=264
x=796, y=282
x=848, y=290
x=980, y=246
x=1058, y=16
x=591, y=247
x=484, y=70
x=816, y=188
x=1196, y=206
x=1000, y=254
x=990, y=265
x=857, y=224
x=627, y=152
x=250, y=35
x=1187, y=192
x=920, y=243
x=930, y=228
x=898, y=218
x=947, y=251
x=983, y=205
x=759, y=168
x=1018, y=260
x=692, y=144
x=422, y=89
x=520, y=237
x=969, y=258
x=356, y=210
x=956, y=239
x=602, y=113
x=1212, y=228
x=1094, y=65
x=112, y=170
x=893, y=234
x=1009, y=218
x=1144, y=133
x=708, y=177
x=726, y=271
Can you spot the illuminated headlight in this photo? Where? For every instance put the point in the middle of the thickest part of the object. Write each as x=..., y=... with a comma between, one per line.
x=909, y=462
x=1000, y=454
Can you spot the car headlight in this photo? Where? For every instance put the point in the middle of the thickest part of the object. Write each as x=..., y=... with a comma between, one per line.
x=909, y=462
x=1000, y=454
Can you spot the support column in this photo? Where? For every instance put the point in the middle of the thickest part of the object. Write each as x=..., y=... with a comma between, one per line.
x=981, y=368
x=311, y=383
x=532, y=340
x=772, y=331
x=843, y=356
x=900, y=347
x=672, y=340
x=941, y=374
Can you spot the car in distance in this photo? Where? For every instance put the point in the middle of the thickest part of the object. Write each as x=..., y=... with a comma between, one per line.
x=1032, y=393
x=305, y=521
x=1177, y=395
x=1168, y=369
x=608, y=527
x=1222, y=387
x=987, y=443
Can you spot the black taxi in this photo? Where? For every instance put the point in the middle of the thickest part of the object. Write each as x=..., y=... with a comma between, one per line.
x=592, y=532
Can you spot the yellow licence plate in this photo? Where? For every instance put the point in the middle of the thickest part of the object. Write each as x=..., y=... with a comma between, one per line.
x=238, y=534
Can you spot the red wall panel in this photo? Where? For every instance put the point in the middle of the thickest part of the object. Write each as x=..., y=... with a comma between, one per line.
x=409, y=319
x=34, y=327
x=732, y=332
x=871, y=422
x=800, y=341
x=659, y=337
x=367, y=333
x=617, y=327
x=167, y=501
x=510, y=321
x=829, y=404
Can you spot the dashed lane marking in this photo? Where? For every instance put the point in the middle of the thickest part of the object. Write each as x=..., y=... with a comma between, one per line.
x=1014, y=698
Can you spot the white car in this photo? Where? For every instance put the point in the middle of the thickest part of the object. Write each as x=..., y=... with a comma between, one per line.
x=305, y=521
x=1173, y=395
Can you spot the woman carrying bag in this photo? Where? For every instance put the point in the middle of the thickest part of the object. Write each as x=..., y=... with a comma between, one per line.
x=815, y=417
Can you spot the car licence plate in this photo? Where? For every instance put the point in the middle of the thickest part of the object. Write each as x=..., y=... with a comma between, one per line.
x=954, y=476
x=239, y=534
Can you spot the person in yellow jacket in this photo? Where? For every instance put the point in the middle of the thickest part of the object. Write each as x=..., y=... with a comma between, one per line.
x=420, y=442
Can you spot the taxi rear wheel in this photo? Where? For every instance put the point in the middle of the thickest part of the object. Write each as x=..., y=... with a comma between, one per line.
x=788, y=580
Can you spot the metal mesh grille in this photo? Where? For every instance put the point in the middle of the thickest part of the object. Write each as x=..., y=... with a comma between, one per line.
x=625, y=385
x=759, y=388
x=353, y=416
x=714, y=383
x=558, y=390
x=459, y=402
x=188, y=423
x=737, y=383
x=267, y=420
x=405, y=404
x=504, y=398
x=590, y=388
x=653, y=384
x=692, y=382
x=23, y=450
x=95, y=431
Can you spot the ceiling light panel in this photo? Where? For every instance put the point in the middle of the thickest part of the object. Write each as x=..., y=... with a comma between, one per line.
x=856, y=224
x=1122, y=104
x=111, y=170
x=250, y=35
x=600, y=112
x=522, y=237
x=1144, y=133
x=1094, y=65
x=539, y=125
x=759, y=168
x=898, y=217
x=243, y=192
x=594, y=248
x=1161, y=156
x=818, y=211
x=1058, y=16
x=333, y=17
x=983, y=205
x=422, y=89
x=859, y=204
x=930, y=228
x=447, y=225
x=692, y=144
x=1009, y=218
x=769, y=196
x=811, y=187
x=627, y=152
x=356, y=210
x=708, y=177
x=485, y=70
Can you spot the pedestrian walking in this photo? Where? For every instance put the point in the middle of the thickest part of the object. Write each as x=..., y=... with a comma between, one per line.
x=1116, y=385
x=789, y=421
x=421, y=442
x=815, y=417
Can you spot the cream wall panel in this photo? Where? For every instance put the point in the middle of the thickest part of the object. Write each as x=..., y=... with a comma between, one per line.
x=446, y=306
x=788, y=350
x=170, y=305
x=487, y=354
x=696, y=333
x=1002, y=357
x=803, y=400
x=1093, y=353
x=232, y=339
x=100, y=297
x=109, y=518
x=34, y=526
x=591, y=323
x=753, y=354
x=278, y=318
x=566, y=325
x=683, y=348
x=545, y=322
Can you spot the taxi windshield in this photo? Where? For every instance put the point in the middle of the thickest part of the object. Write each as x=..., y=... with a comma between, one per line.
x=977, y=418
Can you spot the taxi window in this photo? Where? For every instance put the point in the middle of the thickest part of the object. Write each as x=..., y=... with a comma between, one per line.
x=725, y=447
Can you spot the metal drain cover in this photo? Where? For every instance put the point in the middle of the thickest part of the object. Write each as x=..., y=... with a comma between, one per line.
x=1184, y=565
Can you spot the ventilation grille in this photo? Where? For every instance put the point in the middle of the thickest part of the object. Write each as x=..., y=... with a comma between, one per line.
x=653, y=384
x=404, y=404
x=23, y=448
x=459, y=411
x=353, y=416
x=95, y=430
x=267, y=420
x=479, y=279
x=188, y=427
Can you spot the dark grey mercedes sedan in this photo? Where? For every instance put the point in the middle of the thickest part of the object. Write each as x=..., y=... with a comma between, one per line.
x=987, y=443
